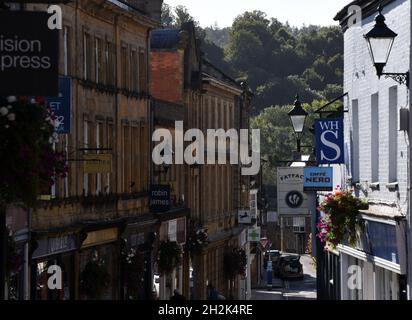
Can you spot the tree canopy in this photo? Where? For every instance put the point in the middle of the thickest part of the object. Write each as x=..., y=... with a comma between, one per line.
x=277, y=61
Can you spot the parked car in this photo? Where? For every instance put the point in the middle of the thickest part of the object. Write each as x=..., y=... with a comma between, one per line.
x=289, y=267
x=274, y=256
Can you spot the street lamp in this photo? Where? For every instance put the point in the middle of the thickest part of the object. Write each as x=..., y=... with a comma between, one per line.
x=380, y=41
x=298, y=117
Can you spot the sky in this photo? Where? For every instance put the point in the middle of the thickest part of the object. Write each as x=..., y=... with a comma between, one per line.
x=296, y=12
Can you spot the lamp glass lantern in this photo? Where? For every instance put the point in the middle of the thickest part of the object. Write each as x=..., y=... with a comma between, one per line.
x=380, y=41
x=298, y=117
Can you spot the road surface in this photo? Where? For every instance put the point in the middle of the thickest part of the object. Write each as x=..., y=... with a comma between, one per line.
x=292, y=290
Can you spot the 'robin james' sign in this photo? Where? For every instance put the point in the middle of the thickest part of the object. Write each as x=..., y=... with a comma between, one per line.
x=160, y=198
x=29, y=54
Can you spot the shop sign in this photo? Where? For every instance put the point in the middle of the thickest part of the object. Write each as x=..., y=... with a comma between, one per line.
x=97, y=163
x=61, y=105
x=318, y=179
x=29, y=54
x=329, y=141
x=160, y=198
x=55, y=245
x=254, y=234
x=172, y=230
x=244, y=217
x=291, y=198
x=99, y=237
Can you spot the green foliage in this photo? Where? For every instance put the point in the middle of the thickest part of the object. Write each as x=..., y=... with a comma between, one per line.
x=275, y=59
x=94, y=279
x=133, y=263
x=277, y=137
x=341, y=218
x=169, y=256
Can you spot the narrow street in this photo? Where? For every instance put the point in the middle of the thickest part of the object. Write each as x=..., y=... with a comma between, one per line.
x=294, y=289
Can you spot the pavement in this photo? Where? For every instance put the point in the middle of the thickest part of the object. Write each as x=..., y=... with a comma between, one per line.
x=291, y=290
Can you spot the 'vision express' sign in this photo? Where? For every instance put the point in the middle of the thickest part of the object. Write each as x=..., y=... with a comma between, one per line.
x=28, y=54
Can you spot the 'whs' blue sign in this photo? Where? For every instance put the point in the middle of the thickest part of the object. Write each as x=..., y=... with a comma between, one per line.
x=329, y=141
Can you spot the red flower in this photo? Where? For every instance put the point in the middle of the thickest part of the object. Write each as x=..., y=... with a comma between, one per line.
x=39, y=100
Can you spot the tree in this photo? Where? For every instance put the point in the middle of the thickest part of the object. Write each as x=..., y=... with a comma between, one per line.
x=168, y=19
x=277, y=137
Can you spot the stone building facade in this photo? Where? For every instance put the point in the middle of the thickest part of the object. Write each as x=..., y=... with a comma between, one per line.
x=96, y=214
x=211, y=100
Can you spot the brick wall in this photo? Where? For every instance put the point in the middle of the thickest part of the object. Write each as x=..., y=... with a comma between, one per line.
x=166, y=72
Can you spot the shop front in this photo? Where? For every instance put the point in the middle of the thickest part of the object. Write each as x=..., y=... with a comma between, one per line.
x=137, y=258
x=99, y=264
x=173, y=230
x=376, y=268
x=17, y=282
x=53, y=266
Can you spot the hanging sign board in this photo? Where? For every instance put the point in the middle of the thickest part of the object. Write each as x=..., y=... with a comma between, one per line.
x=318, y=179
x=329, y=141
x=60, y=105
x=160, y=198
x=97, y=163
x=29, y=54
x=254, y=234
x=244, y=217
x=291, y=198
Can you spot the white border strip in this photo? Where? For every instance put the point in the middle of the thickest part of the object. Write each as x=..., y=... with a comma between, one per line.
x=394, y=267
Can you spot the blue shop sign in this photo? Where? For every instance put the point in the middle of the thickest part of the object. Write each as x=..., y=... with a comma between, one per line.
x=317, y=179
x=329, y=141
x=61, y=105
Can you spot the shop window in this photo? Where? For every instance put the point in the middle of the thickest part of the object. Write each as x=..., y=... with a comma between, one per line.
x=375, y=137
x=134, y=71
x=40, y=278
x=355, y=141
x=124, y=67
x=393, y=134
x=99, y=140
x=110, y=62
x=99, y=61
x=299, y=225
x=85, y=145
x=87, y=56
x=110, y=145
x=67, y=54
x=143, y=70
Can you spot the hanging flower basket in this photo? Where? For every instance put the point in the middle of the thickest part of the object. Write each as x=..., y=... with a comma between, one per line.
x=28, y=164
x=197, y=239
x=341, y=219
x=235, y=262
x=169, y=256
x=94, y=279
x=133, y=263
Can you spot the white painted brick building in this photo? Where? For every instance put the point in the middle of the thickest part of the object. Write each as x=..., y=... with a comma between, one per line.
x=378, y=152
